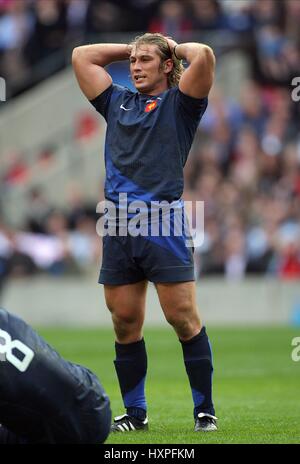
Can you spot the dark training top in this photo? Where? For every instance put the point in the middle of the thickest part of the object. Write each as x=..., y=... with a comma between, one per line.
x=43, y=397
x=148, y=140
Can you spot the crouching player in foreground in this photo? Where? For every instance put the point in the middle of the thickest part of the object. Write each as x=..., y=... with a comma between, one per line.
x=43, y=398
x=149, y=135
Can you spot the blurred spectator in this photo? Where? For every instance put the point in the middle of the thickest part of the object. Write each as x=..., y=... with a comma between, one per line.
x=292, y=20
x=79, y=207
x=253, y=109
x=288, y=260
x=15, y=28
x=104, y=16
x=49, y=30
x=84, y=244
x=208, y=15
x=238, y=14
x=141, y=13
x=267, y=12
x=171, y=19
x=15, y=262
x=76, y=15
x=244, y=169
x=235, y=256
x=46, y=252
x=38, y=210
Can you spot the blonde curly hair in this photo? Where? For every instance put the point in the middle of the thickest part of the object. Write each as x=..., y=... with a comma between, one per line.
x=164, y=52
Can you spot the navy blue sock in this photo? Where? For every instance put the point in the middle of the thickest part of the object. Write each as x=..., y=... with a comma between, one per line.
x=198, y=364
x=131, y=368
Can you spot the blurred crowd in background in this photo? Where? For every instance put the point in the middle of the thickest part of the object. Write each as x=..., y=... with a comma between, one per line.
x=244, y=164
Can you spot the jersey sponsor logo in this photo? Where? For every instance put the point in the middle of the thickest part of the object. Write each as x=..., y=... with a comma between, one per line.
x=10, y=346
x=150, y=106
x=125, y=109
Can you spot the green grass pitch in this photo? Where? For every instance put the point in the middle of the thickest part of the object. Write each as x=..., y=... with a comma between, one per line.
x=256, y=383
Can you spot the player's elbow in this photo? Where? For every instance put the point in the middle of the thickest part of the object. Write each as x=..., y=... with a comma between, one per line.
x=209, y=52
x=205, y=63
x=80, y=55
x=76, y=55
x=211, y=57
x=206, y=55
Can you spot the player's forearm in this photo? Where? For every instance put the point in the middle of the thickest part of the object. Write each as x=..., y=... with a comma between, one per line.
x=101, y=54
x=191, y=51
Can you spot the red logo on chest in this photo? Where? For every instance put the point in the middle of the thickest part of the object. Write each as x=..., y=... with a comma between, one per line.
x=150, y=106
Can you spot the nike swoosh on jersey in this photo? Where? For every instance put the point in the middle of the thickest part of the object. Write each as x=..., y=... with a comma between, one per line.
x=126, y=109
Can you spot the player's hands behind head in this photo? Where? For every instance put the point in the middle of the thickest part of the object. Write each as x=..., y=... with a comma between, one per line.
x=172, y=44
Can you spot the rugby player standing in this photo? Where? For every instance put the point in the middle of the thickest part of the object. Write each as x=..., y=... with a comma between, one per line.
x=149, y=135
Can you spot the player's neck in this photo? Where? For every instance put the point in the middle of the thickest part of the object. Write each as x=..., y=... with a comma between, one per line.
x=155, y=91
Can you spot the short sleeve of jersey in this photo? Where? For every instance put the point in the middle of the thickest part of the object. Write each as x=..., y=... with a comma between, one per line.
x=101, y=103
x=191, y=107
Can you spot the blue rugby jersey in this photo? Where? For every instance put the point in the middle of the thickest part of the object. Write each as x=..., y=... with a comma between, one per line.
x=148, y=140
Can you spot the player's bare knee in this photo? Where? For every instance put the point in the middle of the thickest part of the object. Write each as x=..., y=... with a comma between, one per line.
x=127, y=332
x=185, y=321
x=180, y=313
x=125, y=317
x=187, y=330
x=126, y=325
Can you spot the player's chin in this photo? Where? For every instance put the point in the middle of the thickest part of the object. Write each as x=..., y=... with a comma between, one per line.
x=141, y=86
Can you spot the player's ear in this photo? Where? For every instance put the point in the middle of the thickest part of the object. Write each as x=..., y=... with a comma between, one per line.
x=168, y=66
